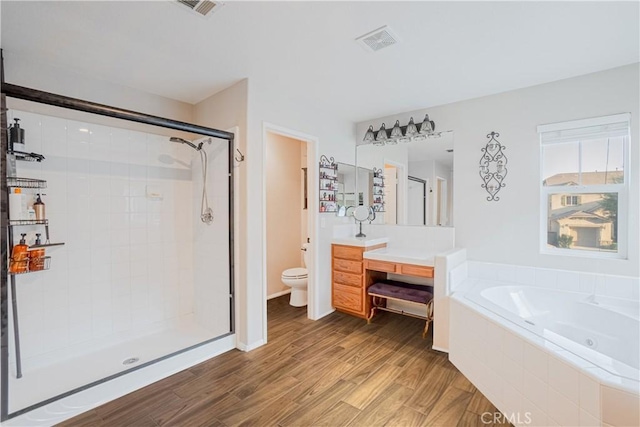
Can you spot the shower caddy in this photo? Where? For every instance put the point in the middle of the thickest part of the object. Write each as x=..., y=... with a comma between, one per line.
x=29, y=183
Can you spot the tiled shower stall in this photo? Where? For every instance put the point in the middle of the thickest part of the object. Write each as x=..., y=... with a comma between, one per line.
x=140, y=276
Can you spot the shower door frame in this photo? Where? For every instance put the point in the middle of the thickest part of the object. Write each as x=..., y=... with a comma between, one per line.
x=38, y=96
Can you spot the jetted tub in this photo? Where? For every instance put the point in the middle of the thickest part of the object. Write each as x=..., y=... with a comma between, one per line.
x=602, y=330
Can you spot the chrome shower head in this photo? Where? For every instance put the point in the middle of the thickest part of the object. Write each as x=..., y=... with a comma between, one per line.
x=184, y=141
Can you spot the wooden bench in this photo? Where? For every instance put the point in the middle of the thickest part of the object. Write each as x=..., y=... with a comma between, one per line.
x=422, y=295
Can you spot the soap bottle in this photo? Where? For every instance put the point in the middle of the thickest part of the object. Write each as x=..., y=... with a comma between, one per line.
x=19, y=256
x=38, y=206
x=36, y=256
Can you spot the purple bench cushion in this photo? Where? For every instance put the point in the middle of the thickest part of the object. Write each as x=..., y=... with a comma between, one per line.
x=405, y=291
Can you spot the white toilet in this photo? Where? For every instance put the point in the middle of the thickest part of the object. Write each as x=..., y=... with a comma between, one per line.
x=297, y=279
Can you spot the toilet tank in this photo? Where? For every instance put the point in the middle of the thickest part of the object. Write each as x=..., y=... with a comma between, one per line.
x=305, y=256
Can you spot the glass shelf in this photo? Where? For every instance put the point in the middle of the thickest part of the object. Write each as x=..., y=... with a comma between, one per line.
x=46, y=245
x=13, y=182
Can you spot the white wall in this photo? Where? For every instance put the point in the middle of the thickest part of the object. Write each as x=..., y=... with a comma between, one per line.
x=62, y=81
x=508, y=231
x=336, y=136
x=225, y=110
x=285, y=235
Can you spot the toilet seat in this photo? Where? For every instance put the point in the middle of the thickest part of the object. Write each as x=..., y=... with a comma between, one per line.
x=295, y=273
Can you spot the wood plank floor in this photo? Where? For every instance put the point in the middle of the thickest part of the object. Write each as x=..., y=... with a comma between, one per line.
x=337, y=371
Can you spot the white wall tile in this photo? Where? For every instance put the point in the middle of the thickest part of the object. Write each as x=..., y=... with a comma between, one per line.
x=533, y=415
x=488, y=271
x=601, y=285
x=546, y=278
x=619, y=408
x=590, y=396
x=473, y=268
x=588, y=420
x=587, y=283
x=562, y=410
x=128, y=261
x=512, y=347
x=457, y=276
x=535, y=361
x=535, y=390
x=506, y=273
x=568, y=281
x=511, y=401
x=512, y=372
x=565, y=379
x=526, y=275
x=620, y=287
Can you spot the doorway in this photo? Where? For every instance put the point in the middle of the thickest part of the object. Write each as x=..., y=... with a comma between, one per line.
x=395, y=188
x=416, y=201
x=441, y=201
x=290, y=218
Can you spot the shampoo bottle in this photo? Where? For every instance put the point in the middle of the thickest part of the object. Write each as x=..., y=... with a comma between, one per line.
x=20, y=256
x=38, y=206
x=36, y=256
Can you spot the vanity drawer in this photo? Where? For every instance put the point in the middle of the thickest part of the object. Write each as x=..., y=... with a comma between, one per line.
x=354, y=267
x=385, y=266
x=416, y=270
x=347, y=252
x=347, y=278
x=347, y=297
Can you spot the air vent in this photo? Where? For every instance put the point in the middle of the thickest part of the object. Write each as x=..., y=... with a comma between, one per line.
x=202, y=7
x=378, y=39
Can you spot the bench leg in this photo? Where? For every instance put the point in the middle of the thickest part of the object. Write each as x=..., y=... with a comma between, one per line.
x=426, y=329
x=372, y=313
x=429, y=318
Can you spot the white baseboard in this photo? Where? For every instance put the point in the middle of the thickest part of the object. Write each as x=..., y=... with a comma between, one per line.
x=440, y=349
x=279, y=294
x=95, y=396
x=248, y=347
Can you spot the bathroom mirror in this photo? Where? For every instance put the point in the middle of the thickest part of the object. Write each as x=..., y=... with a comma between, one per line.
x=413, y=182
x=347, y=181
x=346, y=195
x=361, y=213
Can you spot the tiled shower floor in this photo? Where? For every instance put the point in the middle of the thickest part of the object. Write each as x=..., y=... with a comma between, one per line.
x=97, y=362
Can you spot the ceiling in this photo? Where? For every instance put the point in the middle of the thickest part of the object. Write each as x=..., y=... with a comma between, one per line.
x=449, y=51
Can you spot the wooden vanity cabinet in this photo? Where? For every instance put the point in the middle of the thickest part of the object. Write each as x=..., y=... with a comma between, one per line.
x=349, y=281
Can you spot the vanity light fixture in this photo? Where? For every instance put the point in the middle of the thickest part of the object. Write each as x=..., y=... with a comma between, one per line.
x=398, y=133
x=369, y=136
x=381, y=137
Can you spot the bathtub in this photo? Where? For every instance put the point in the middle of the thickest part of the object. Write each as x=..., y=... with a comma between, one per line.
x=602, y=330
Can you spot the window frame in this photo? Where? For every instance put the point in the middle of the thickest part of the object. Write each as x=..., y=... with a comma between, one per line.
x=622, y=189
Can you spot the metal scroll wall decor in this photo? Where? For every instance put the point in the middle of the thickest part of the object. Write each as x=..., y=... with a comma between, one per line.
x=493, y=167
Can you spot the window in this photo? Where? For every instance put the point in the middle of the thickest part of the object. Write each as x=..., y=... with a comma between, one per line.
x=584, y=186
x=570, y=200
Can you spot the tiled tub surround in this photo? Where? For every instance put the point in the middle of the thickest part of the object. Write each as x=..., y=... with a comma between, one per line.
x=124, y=202
x=526, y=374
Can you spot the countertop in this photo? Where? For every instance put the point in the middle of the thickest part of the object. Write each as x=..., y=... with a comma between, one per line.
x=361, y=242
x=405, y=256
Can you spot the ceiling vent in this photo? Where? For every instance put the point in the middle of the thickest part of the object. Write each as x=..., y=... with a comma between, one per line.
x=378, y=39
x=202, y=7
